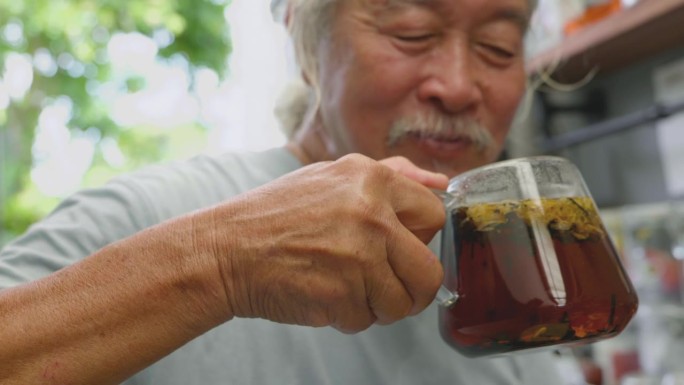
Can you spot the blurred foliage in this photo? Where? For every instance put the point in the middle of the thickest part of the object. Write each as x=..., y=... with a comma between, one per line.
x=75, y=33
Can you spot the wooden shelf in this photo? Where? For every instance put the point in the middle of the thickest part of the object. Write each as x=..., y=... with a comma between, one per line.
x=647, y=28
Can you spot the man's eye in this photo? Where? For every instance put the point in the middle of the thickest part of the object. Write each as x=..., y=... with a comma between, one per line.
x=502, y=52
x=415, y=38
x=499, y=51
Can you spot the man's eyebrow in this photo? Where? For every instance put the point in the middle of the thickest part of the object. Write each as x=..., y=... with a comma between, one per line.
x=392, y=3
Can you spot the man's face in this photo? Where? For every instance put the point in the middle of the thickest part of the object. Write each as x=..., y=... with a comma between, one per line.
x=424, y=79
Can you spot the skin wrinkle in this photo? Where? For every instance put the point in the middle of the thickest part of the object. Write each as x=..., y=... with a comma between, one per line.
x=308, y=34
x=457, y=75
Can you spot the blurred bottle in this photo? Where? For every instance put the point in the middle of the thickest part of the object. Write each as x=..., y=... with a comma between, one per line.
x=625, y=356
x=592, y=373
x=546, y=27
x=640, y=379
x=655, y=269
x=618, y=356
x=594, y=11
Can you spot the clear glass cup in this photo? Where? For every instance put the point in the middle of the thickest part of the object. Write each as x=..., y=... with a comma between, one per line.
x=527, y=261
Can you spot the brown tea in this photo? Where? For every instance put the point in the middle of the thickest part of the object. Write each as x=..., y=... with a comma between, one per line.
x=531, y=274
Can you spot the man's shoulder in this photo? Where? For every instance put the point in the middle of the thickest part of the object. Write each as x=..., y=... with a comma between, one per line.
x=177, y=187
x=92, y=218
x=253, y=164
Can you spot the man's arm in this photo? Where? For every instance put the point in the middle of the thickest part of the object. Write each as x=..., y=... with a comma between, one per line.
x=340, y=244
x=101, y=320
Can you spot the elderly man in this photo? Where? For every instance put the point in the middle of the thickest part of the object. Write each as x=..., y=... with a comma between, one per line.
x=305, y=264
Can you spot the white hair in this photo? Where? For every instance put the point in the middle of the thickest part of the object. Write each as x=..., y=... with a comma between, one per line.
x=433, y=124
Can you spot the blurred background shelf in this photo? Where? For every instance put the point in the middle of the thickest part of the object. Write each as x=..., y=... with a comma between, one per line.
x=620, y=40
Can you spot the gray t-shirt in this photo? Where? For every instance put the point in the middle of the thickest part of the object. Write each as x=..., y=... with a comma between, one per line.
x=250, y=351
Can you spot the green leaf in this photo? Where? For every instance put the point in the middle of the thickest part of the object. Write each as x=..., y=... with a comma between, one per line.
x=76, y=33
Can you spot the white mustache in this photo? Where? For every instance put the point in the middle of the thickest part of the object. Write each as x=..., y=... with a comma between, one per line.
x=435, y=125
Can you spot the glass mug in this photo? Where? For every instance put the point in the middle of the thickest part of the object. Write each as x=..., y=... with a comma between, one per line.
x=527, y=261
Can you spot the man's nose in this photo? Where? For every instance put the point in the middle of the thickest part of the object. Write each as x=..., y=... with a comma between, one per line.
x=452, y=81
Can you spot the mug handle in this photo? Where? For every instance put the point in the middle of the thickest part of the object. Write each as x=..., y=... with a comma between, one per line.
x=445, y=297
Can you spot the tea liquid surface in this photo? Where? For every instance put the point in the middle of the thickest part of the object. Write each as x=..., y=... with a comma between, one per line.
x=532, y=274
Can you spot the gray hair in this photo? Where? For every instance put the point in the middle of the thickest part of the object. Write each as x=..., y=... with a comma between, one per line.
x=311, y=20
x=310, y=24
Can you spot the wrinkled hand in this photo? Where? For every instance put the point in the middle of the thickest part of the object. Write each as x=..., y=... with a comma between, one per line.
x=408, y=169
x=336, y=243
